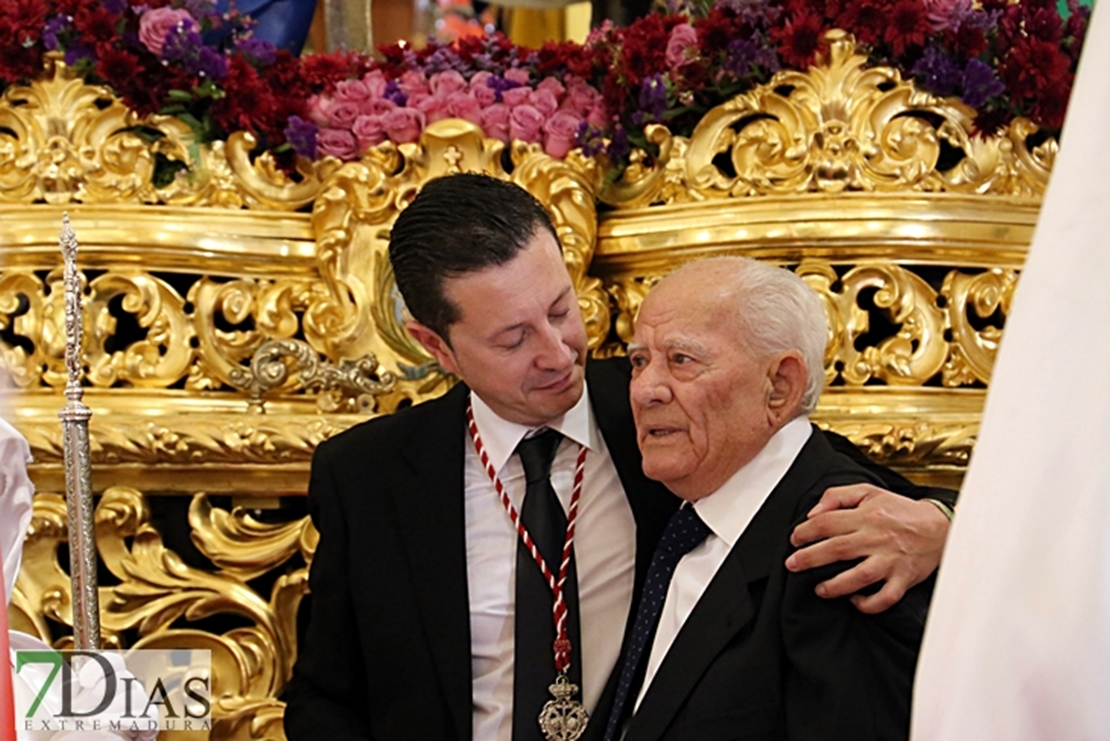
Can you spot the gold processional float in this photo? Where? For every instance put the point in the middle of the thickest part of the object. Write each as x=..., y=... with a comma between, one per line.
x=234, y=318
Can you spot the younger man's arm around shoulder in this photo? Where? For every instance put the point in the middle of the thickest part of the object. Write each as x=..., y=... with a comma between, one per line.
x=884, y=524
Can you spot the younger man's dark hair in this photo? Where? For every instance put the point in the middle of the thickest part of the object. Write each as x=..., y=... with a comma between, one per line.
x=458, y=224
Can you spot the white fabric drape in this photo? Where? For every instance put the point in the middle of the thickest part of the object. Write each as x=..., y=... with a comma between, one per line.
x=1017, y=647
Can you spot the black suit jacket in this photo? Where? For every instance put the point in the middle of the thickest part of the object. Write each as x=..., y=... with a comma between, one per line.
x=387, y=649
x=386, y=653
x=762, y=657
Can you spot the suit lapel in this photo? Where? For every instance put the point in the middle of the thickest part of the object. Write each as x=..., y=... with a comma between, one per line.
x=431, y=512
x=726, y=605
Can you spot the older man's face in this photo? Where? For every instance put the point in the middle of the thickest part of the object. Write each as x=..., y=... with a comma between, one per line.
x=700, y=399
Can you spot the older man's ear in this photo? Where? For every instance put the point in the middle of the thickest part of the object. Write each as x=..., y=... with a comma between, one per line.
x=787, y=384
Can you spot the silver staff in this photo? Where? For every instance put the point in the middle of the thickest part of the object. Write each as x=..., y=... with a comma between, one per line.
x=79, y=501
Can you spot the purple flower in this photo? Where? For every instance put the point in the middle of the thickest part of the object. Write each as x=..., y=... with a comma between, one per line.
x=185, y=46
x=653, y=100
x=78, y=52
x=53, y=27
x=209, y=63
x=394, y=93
x=259, y=52
x=750, y=56
x=181, y=43
x=114, y=6
x=979, y=83
x=937, y=73
x=301, y=135
x=619, y=148
x=590, y=138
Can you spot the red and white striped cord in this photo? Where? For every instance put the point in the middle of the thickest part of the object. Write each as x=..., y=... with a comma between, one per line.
x=562, y=645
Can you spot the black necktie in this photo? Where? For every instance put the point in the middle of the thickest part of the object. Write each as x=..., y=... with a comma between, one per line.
x=683, y=533
x=534, y=637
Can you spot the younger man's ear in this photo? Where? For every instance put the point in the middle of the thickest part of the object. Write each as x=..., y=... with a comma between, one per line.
x=434, y=344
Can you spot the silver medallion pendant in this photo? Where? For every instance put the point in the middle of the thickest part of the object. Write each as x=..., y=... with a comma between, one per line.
x=563, y=719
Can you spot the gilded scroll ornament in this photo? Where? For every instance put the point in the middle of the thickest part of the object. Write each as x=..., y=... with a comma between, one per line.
x=835, y=127
x=158, y=595
x=63, y=141
x=352, y=384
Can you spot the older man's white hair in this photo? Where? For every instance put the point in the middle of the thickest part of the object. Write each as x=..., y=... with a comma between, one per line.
x=776, y=311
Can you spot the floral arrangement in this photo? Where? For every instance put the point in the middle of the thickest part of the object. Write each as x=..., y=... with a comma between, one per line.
x=180, y=57
x=176, y=57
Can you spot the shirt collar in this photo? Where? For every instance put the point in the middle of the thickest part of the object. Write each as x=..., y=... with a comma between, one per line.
x=500, y=436
x=730, y=509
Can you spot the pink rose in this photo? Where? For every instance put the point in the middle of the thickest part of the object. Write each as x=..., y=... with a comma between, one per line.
x=559, y=133
x=445, y=83
x=465, y=105
x=518, y=75
x=599, y=117
x=318, y=107
x=524, y=123
x=376, y=107
x=543, y=101
x=353, y=91
x=369, y=131
x=581, y=97
x=683, y=38
x=155, y=25
x=479, y=87
x=342, y=114
x=413, y=83
x=403, y=125
x=434, y=108
x=375, y=82
x=337, y=143
x=516, y=96
x=495, y=121
x=946, y=14
x=553, y=86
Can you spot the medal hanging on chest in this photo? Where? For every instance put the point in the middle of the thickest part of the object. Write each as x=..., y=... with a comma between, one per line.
x=562, y=718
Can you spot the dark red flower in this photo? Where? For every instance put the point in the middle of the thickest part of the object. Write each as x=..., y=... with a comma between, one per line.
x=908, y=26
x=323, y=71
x=116, y=65
x=867, y=19
x=1032, y=66
x=1052, y=105
x=798, y=40
x=248, y=104
x=96, y=23
x=967, y=41
x=1044, y=24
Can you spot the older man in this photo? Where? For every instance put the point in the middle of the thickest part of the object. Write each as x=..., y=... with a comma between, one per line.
x=727, y=363
x=429, y=618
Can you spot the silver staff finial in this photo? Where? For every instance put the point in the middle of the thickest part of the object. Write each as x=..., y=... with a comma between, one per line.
x=75, y=420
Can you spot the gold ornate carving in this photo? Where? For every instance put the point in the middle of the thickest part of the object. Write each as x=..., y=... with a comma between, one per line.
x=832, y=128
x=982, y=295
x=927, y=338
x=351, y=385
x=158, y=595
x=63, y=141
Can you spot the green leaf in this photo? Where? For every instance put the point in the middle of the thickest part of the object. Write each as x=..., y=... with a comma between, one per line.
x=184, y=95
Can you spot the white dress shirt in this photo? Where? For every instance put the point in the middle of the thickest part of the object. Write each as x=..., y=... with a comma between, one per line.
x=728, y=512
x=604, y=551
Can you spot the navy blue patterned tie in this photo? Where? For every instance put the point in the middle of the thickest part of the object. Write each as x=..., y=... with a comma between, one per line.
x=684, y=532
